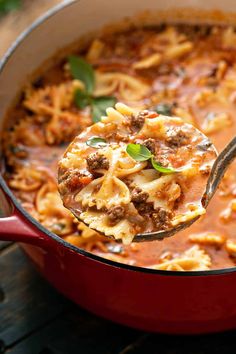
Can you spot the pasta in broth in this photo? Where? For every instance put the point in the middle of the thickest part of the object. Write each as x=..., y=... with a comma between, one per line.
x=128, y=186
x=181, y=70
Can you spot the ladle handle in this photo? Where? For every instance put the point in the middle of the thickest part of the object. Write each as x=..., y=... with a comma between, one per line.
x=219, y=168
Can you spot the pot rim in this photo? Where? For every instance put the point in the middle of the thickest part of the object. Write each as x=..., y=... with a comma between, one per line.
x=10, y=51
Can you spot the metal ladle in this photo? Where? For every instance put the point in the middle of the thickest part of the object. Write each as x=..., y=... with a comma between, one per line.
x=219, y=168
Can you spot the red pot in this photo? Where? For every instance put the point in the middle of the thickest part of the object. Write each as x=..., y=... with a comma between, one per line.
x=170, y=302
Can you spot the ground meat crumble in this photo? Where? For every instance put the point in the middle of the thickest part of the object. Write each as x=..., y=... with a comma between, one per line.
x=137, y=120
x=139, y=196
x=144, y=208
x=160, y=152
x=97, y=161
x=72, y=180
x=116, y=214
x=161, y=218
x=177, y=138
x=150, y=145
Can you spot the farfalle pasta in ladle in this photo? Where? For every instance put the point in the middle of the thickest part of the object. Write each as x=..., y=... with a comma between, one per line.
x=135, y=172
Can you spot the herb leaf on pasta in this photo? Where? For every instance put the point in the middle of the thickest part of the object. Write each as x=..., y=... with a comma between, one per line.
x=83, y=71
x=82, y=99
x=140, y=152
x=96, y=142
x=99, y=106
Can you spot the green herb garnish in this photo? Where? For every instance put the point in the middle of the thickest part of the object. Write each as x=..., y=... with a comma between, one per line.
x=82, y=99
x=140, y=152
x=9, y=5
x=161, y=168
x=81, y=70
x=99, y=106
x=164, y=108
x=96, y=142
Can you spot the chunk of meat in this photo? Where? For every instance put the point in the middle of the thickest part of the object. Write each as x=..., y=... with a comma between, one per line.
x=139, y=196
x=137, y=120
x=161, y=153
x=72, y=180
x=116, y=214
x=151, y=145
x=178, y=138
x=161, y=218
x=144, y=208
x=97, y=161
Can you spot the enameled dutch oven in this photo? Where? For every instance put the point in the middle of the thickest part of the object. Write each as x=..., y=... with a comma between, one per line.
x=170, y=302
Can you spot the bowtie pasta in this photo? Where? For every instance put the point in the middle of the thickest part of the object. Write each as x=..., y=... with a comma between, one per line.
x=177, y=70
x=135, y=172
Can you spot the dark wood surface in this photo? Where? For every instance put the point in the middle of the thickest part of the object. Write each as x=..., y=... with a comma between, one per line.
x=35, y=319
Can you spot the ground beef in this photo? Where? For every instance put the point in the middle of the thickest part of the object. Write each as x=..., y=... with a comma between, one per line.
x=73, y=180
x=161, y=218
x=144, y=208
x=139, y=196
x=160, y=152
x=115, y=214
x=178, y=138
x=62, y=177
x=137, y=120
x=151, y=145
x=96, y=161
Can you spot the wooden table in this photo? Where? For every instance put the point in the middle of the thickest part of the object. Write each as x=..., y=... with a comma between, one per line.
x=35, y=319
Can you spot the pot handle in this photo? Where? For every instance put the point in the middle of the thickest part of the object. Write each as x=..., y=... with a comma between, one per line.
x=15, y=227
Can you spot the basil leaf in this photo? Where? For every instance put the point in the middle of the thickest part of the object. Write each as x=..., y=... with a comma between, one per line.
x=99, y=106
x=164, y=108
x=138, y=152
x=96, y=142
x=162, y=169
x=82, y=99
x=81, y=70
x=9, y=5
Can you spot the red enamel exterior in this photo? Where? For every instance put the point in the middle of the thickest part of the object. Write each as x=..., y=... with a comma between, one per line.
x=152, y=301
x=160, y=301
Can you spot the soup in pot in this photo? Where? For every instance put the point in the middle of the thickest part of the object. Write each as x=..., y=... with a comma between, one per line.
x=180, y=70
